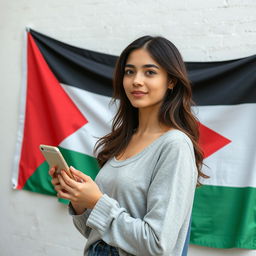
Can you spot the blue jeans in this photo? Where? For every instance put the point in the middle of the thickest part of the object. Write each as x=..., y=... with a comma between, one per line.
x=100, y=248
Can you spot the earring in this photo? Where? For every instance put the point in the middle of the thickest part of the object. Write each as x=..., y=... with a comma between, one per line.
x=170, y=90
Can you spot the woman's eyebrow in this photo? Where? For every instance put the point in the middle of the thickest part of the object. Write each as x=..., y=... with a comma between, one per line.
x=144, y=66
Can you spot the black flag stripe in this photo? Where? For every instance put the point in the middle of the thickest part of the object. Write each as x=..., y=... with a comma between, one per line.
x=214, y=83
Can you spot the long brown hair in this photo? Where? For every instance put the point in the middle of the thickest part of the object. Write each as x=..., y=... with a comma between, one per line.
x=175, y=110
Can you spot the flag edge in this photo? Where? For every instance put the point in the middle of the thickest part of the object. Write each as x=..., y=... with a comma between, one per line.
x=22, y=110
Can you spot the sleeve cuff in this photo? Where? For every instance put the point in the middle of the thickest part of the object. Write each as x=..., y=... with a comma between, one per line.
x=102, y=214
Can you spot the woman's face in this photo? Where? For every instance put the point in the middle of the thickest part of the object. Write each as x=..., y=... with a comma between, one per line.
x=145, y=81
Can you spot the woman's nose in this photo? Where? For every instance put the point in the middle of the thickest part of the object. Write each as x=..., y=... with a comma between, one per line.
x=138, y=80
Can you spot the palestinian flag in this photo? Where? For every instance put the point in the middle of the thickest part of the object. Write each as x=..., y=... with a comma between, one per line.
x=66, y=102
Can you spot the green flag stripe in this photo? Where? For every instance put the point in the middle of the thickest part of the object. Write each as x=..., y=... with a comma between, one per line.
x=82, y=162
x=40, y=181
x=233, y=222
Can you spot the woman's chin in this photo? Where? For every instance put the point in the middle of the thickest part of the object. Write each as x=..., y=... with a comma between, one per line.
x=143, y=105
x=136, y=105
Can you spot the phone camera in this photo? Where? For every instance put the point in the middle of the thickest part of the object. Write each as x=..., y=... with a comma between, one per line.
x=42, y=149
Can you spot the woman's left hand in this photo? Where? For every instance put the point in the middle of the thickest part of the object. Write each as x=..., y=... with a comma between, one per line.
x=85, y=194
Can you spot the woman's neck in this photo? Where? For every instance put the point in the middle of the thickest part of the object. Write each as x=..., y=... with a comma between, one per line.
x=149, y=122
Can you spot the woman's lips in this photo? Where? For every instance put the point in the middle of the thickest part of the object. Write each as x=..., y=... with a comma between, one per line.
x=138, y=93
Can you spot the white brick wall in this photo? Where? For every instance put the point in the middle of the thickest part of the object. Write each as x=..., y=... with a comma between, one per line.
x=33, y=224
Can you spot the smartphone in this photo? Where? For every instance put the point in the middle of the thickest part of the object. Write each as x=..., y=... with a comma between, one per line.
x=55, y=159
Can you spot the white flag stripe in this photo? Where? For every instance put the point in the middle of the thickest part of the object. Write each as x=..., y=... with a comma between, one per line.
x=98, y=112
x=235, y=164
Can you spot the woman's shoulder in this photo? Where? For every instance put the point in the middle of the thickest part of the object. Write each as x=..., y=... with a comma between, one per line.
x=175, y=136
x=176, y=141
x=172, y=141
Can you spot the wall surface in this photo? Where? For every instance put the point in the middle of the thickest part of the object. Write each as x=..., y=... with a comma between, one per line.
x=33, y=224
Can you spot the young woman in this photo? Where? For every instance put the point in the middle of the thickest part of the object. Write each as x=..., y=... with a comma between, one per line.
x=140, y=203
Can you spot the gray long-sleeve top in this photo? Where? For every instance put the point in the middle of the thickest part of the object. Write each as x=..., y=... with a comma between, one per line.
x=147, y=201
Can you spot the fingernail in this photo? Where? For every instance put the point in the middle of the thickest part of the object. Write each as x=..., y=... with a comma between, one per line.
x=72, y=168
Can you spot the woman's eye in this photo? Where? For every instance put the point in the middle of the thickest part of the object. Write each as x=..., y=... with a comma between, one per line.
x=128, y=72
x=150, y=72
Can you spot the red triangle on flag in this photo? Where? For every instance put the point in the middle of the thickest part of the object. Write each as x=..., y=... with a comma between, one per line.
x=50, y=114
x=211, y=141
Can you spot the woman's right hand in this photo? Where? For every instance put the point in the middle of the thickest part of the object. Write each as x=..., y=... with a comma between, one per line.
x=57, y=186
x=55, y=180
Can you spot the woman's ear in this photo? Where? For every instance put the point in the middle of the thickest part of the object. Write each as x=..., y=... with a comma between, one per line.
x=172, y=82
